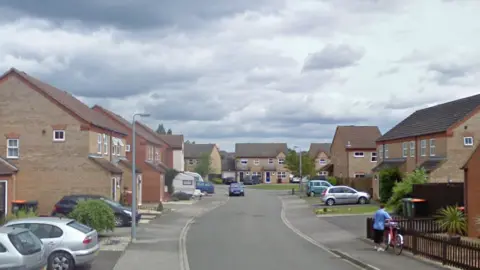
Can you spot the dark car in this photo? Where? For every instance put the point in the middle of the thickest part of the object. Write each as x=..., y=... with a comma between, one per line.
x=236, y=189
x=251, y=180
x=229, y=180
x=123, y=215
x=207, y=187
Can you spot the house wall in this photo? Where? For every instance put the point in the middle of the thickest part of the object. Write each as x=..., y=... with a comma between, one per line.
x=216, y=160
x=263, y=166
x=10, y=192
x=338, y=157
x=178, y=160
x=360, y=164
x=321, y=156
x=472, y=189
x=47, y=170
x=93, y=144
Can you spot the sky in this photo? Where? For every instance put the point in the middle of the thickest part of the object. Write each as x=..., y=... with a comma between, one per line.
x=229, y=72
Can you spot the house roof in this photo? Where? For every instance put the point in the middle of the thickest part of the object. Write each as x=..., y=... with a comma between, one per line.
x=6, y=168
x=68, y=102
x=194, y=150
x=228, y=163
x=315, y=149
x=139, y=129
x=434, y=119
x=128, y=164
x=389, y=163
x=260, y=150
x=175, y=141
x=159, y=167
x=359, y=137
x=107, y=165
x=431, y=164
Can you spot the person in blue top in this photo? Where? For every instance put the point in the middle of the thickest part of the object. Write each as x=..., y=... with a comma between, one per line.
x=379, y=219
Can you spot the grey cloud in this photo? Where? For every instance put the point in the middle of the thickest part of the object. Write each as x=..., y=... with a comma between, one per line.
x=416, y=56
x=333, y=57
x=389, y=71
x=139, y=14
x=446, y=72
x=421, y=99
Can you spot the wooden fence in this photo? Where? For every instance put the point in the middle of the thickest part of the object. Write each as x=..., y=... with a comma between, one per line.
x=439, y=195
x=424, y=238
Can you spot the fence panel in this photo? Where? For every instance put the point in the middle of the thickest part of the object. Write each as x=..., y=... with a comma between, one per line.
x=439, y=195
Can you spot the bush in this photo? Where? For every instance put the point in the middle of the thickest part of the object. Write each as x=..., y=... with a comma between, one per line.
x=388, y=178
x=217, y=181
x=18, y=215
x=404, y=188
x=159, y=207
x=452, y=220
x=94, y=213
x=332, y=180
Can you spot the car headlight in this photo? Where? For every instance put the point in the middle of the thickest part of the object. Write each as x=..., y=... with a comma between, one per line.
x=127, y=212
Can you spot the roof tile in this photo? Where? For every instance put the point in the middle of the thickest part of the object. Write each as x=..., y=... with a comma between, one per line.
x=195, y=150
x=359, y=137
x=315, y=149
x=107, y=165
x=260, y=150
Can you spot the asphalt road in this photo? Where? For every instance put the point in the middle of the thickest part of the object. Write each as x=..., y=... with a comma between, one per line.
x=248, y=233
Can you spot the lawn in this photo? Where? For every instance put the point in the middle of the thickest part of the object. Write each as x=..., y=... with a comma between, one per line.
x=275, y=186
x=347, y=209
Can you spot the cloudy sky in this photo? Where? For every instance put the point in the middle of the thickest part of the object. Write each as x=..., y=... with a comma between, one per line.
x=253, y=70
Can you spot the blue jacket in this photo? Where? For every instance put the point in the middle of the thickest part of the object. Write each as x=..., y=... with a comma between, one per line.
x=379, y=219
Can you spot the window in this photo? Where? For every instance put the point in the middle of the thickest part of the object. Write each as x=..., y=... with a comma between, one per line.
x=105, y=144
x=13, y=148
x=99, y=143
x=373, y=157
x=323, y=173
x=80, y=227
x=247, y=173
x=359, y=175
x=322, y=161
x=2, y=249
x=423, y=148
x=244, y=161
x=380, y=151
x=150, y=151
x=114, y=148
x=468, y=141
x=256, y=162
x=405, y=149
x=256, y=173
x=282, y=174
x=127, y=148
x=385, y=149
x=281, y=161
x=412, y=149
x=59, y=135
x=187, y=182
x=157, y=154
x=25, y=242
x=358, y=154
x=270, y=161
x=432, y=147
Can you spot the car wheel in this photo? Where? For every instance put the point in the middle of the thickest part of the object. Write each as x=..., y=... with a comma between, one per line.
x=243, y=194
x=60, y=261
x=330, y=202
x=362, y=200
x=119, y=221
x=312, y=194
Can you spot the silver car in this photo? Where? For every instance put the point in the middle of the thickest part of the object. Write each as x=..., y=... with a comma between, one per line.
x=21, y=249
x=344, y=195
x=67, y=242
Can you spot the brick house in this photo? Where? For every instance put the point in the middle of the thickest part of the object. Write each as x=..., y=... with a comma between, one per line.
x=194, y=152
x=150, y=157
x=7, y=181
x=439, y=138
x=353, y=151
x=266, y=160
x=320, y=153
x=59, y=145
x=228, y=164
x=471, y=170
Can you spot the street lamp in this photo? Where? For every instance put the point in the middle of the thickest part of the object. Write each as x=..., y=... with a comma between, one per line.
x=134, y=179
x=299, y=167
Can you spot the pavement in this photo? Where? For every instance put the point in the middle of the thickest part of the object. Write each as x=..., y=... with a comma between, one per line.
x=345, y=234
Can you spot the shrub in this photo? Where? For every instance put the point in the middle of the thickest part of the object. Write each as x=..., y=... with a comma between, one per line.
x=169, y=176
x=404, y=188
x=94, y=213
x=18, y=215
x=452, y=220
x=388, y=178
x=159, y=207
x=332, y=180
x=217, y=181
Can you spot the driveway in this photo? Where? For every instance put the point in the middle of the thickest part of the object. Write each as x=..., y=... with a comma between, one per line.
x=248, y=233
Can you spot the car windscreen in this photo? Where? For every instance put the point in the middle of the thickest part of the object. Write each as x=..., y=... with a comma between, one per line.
x=112, y=203
x=25, y=242
x=80, y=227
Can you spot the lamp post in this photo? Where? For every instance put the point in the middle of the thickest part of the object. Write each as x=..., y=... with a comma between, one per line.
x=299, y=168
x=134, y=179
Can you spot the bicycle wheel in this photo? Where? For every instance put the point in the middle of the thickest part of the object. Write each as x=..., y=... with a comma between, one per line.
x=388, y=241
x=398, y=244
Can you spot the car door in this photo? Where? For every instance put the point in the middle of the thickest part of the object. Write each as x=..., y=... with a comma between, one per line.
x=50, y=235
x=338, y=194
x=350, y=195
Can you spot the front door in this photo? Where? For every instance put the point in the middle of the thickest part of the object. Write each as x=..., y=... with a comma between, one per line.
x=114, y=189
x=267, y=177
x=3, y=198
x=241, y=176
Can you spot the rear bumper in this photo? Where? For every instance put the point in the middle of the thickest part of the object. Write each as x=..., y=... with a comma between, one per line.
x=85, y=257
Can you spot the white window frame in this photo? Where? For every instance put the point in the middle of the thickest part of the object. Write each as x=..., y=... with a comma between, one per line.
x=432, y=147
x=99, y=143
x=191, y=162
x=358, y=154
x=127, y=148
x=380, y=152
x=60, y=132
x=114, y=149
x=373, y=157
x=423, y=148
x=150, y=154
x=256, y=162
x=385, y=149
x=270, y=161
x=466, y=139
x=17, y=147
x=412, y=149
x=358, y=175
x=404, y=149
x=282, y=174
x=322, y=161
x=157, y=154
x=281, y=161
x=323, y=173
x=105, y=144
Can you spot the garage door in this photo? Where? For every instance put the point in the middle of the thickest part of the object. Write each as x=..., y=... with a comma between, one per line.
x=228, y=174
x=3, y=198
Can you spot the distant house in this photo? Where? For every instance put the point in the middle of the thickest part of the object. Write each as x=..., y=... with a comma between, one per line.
x=320, y=153
x=194, y=153
x=353, y=151
x=228, y=164
x=266, y=160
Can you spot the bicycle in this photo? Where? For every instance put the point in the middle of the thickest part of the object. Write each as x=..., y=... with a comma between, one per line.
x=394, y=238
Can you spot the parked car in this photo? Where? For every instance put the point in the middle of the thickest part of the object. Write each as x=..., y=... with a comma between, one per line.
x=21, y=249
x=316, y=187
x=229, y=180
x=252, y=180
x=344, y=195
x=123, y=215
x=67, y=243
x=236, y=189
x=206, y=187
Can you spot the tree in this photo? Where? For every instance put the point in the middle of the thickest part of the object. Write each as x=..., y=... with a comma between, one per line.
x=169, y=176
x=388, y=177
x=161, y=129
x=189, y=142
x=292, y=162
x=204, y=165
x=94, y=213
x=169, y=131
x=404, y=188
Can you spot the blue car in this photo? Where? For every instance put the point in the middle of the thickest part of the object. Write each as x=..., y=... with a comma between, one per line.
x=207, y=187
x=236, y=189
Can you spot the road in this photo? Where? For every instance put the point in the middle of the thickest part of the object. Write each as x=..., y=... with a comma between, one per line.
x=248, y=233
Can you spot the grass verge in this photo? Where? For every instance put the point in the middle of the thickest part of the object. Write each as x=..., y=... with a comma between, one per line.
x=347, y=209
x=275, y=186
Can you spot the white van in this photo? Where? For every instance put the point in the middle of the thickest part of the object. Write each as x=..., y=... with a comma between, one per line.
x=184, y=182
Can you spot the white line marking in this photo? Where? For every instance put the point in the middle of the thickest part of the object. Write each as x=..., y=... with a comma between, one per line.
x=144, y=221
x=311, y=240
x=182, y=241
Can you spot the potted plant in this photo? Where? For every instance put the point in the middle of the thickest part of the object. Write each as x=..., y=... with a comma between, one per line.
x=453, y=221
